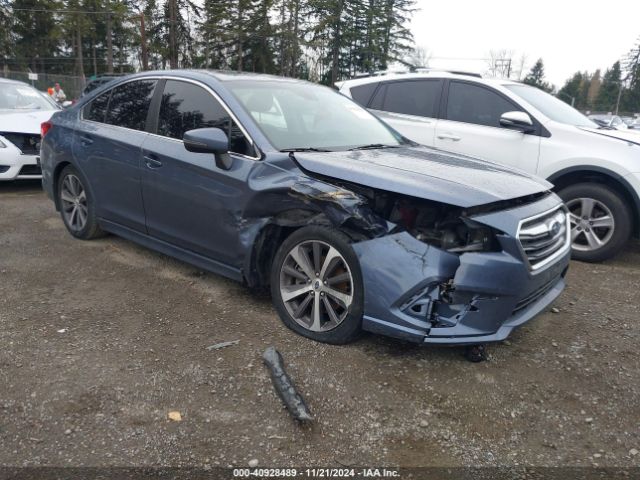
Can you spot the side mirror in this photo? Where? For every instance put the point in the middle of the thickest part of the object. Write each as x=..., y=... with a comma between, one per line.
x=209, y=140
x=517, y=121
x=67, y=104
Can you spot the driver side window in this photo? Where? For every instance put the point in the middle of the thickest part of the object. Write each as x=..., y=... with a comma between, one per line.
x=470, y=103
x=185, y=106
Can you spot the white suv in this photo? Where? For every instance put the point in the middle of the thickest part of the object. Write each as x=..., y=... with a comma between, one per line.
x=595, y=170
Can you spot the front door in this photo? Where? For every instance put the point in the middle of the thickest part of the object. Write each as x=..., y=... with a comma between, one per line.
x=190, y=202
x=471, y=125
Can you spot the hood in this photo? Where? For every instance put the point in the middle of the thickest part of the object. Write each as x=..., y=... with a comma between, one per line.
x=23, y=122
x=425, y=173
x=629, y=136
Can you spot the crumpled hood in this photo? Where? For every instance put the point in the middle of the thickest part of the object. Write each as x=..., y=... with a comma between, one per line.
x=425, y=173
x=624, y=135
x=23, y=122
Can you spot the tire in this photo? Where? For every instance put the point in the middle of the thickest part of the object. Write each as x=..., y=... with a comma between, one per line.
x=73, y=194
x=338, y=288
x=596, y=204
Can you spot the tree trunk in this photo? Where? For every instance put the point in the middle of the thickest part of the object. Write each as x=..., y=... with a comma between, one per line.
x=109, y=40
x=95, y=60
x=337, y=40
x=79, y=60
x=173, y=56
x=239, y=45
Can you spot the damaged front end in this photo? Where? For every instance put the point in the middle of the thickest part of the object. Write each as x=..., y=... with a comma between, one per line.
x=445, y=274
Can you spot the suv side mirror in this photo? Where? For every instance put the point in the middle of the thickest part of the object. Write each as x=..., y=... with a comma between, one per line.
x=209, y=140
x=517, y=121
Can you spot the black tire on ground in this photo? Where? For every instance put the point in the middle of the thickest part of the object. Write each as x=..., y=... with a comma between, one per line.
x=91, y=229
x=620, y=211
x=351, y=327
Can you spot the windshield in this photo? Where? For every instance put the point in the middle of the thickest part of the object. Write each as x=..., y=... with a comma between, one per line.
x=551, y=106
x=296, y=115
x=15, y=96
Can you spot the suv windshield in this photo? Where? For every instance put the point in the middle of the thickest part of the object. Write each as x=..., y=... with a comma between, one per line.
x=14, y=96
x=296, y=115
x=550, y=106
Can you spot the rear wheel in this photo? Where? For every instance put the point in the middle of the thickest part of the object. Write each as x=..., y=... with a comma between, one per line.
x=600, y=221
x=76, y=205
x=316, y=285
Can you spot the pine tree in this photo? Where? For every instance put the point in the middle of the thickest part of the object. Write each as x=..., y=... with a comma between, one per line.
x=609, y=90
x=535, y=77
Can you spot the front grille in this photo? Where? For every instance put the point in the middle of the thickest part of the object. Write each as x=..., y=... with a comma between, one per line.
x=535, y=295
x=30, y=170
x=27, y=143
x=544, y=237
x=3, y=168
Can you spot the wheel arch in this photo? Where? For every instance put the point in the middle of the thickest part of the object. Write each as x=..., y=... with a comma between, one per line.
x=56, y=177
x=257, y=265
x=580, y=174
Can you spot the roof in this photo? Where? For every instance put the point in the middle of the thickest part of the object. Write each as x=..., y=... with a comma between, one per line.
x=428, y=74
x=10, y=80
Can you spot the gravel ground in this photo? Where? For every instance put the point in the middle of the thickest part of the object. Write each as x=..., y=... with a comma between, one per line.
x=102, y=339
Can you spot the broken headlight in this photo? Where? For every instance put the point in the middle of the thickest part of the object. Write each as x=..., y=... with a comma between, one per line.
x=460, y=236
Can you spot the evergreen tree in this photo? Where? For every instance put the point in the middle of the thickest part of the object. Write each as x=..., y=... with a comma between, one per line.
x=535, y=77
x=609, y=90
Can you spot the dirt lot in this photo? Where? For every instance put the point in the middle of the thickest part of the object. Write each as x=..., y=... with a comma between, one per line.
x=102, y=339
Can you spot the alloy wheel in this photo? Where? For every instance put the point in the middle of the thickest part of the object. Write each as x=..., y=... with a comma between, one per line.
x=316, y=286
x=592, y=224
x=74, y=203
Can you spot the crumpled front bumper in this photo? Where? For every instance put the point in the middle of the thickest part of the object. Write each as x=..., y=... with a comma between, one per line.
x=423, y=294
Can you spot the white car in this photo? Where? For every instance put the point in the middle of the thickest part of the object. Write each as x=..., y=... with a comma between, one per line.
x=22, y=111
x=595, y=170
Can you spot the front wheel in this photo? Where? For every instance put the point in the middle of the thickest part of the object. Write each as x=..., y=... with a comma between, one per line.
x=316, y=285
x=600, y=221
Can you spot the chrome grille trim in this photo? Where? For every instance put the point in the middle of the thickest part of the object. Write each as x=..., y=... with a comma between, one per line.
x=544, y=237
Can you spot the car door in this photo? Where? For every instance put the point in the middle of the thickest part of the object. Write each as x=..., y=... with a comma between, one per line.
x=189, y=201
x=409, y=106
x=107, y=145
x=470, y=124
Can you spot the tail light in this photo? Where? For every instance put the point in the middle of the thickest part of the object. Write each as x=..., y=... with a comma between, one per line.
x=44, y=128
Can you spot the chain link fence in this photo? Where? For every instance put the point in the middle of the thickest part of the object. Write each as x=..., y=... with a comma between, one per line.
x=71, y=85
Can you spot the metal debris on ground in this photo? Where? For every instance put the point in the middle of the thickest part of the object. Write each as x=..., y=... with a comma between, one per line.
x=284, y=386
x=476, y=353
x=218, y=346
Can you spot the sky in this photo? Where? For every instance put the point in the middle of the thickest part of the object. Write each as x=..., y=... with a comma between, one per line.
x=569, y=35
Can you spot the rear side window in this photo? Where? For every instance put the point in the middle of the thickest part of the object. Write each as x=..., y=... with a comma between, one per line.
x=478, y=105
x=96, y=110
x=129, y=104
x=185, y=107
x=362, y=93
x=413, y=97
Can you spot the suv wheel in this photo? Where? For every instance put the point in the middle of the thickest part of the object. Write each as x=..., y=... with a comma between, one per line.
x=76, y=205
x=600, y=221
x=316, y=285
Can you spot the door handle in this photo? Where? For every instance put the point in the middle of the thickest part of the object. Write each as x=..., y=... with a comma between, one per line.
x=152, y=162
x=85, y=140
x=449, y=136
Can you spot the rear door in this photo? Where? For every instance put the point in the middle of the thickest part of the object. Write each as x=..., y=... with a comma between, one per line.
x=409, y=106
x=107, y=146
x=471, y=125
x=189, y=201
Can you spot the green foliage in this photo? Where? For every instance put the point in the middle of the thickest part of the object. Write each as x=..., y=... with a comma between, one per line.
x=536, y=79
x=611, y=84
x=323, y=40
